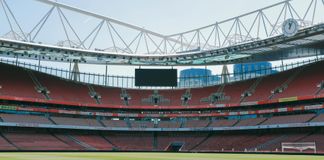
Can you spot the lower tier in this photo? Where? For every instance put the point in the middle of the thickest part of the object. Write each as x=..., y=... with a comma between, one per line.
x=230, y=141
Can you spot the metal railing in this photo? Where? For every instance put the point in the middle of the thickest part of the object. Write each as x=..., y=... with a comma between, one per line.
x=183, y=82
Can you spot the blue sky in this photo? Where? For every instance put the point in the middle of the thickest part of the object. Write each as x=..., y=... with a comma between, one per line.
x=163, y=16
x=170, y=16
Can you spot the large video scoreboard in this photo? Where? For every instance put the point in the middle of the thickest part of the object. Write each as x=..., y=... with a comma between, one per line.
x=156, y=77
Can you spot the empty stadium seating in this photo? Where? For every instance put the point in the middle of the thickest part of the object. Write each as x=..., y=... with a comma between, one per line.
x=305, y=83
x=25, y=118
x=174, y=96
x=5, y=145
x=76, y=121
x=200, y=93
x=95, y=141
x=109, y=95
x=29, y=140
x=227, y=142
x=138, y=95
x=288, y=119
x=169, y=124
x=250, y=122
x=16, y=82
x=267, y=84
x=131, y=141
x=270, y=141
x=141, y=124
x=114, y=123
x=319, y=118
x=137, y=139
x=196, y=123
x=222, y=123
x=234, y=91
x=72, y=143
x=65, y=91
x=92, y=122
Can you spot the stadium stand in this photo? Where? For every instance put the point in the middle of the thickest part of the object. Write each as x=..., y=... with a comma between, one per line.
x=75, y=121
x=196, y=124
x=131, y=141
x=174, y=96
x=263, y=90
x=222, y=123
x=29, y=140
x=305, y=83
x=72, y=143
x=199, y=93
x=141, y=124
x=5, y=145
x=234, y=91
x=109, y=95
x=230, y=141
x=250, y=122
x=93, y=141
x=55, y=120
x=169, y=124
x=64, y=91
x=319, y=118
x=141, y=140
x=115, y=123
x=16, y=82
x=226, y=142
x=25, y=119
x=288, y=119
x=138, y=96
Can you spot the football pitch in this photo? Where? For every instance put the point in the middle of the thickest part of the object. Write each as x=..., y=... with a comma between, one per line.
x=147, y=156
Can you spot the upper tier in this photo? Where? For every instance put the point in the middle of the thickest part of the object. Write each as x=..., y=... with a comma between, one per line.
x=25, y=85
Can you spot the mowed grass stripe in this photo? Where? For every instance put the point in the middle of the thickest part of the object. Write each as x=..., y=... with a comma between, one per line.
x=147, y=156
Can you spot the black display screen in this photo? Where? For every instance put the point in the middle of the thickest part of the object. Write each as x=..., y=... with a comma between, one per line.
x=156, y=77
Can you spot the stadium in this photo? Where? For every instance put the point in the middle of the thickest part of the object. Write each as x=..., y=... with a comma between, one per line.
x=247, y=87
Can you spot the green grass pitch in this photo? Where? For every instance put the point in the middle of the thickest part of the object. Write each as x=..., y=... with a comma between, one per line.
x=148, y=156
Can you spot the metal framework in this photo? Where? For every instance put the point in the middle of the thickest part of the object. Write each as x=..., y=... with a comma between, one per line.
x=125, y=38
x=253, y=26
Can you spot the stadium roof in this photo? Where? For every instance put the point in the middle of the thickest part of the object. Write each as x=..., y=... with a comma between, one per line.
x=276, y=48
x=236, y=45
